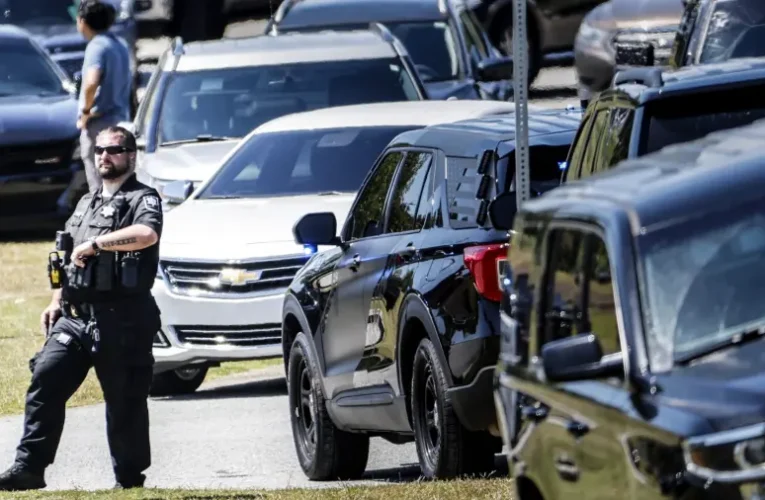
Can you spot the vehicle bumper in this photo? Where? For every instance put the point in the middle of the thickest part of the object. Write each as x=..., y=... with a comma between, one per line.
x=213, y=330
x=474, y=402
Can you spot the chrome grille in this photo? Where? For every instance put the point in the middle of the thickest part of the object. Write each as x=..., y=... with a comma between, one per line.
x=236, y=335
x=662, y=40
x=202, y=278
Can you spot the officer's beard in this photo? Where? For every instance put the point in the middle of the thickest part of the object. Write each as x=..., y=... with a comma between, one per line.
x=109, y=171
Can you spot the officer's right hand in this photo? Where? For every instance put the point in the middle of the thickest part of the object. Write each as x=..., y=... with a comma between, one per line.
x=49, y=316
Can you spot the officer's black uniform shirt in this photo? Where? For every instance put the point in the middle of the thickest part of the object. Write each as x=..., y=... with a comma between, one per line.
x=133, y=203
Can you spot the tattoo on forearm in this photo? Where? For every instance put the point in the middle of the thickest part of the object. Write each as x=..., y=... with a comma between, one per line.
x=124, y=241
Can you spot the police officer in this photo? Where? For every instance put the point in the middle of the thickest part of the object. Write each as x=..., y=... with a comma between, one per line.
x=105, y=317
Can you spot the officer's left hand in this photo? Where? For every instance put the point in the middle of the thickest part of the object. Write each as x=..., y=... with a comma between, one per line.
x=81, y=252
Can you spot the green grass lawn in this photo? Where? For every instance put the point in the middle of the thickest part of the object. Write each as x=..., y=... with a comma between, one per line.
x=24, y=294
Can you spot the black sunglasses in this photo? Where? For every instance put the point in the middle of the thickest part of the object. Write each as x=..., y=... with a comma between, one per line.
x=112, y=150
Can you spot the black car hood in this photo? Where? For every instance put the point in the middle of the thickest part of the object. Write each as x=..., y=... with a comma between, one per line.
x=28, y=119
x=726, y=388
x=58, y=37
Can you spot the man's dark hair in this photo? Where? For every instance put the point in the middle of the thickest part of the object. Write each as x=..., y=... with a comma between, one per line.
x=128, y=139
x=97, y=14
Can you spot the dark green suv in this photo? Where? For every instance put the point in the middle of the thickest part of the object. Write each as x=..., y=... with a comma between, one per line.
x=649, y=108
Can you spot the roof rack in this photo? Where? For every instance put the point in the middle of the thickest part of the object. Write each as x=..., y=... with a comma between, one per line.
x=282, y=10
x=650, y=77
x=177, y=46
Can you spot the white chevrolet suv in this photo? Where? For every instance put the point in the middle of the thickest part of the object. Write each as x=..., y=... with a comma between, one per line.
x=227, y=252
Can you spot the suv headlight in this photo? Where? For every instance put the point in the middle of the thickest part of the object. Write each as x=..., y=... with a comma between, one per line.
x=735, y=456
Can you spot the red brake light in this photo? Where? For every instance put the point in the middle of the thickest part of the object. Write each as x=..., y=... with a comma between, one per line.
x=486, y=264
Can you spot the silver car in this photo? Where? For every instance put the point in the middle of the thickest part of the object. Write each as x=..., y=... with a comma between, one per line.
x=228, y=252
x=624, y=24
x=203, y=97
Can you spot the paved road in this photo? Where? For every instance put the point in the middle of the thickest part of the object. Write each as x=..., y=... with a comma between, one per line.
x=230, y=435
x=234, y=435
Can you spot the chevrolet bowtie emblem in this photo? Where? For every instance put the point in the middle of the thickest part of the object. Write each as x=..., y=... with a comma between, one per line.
x=238, y=276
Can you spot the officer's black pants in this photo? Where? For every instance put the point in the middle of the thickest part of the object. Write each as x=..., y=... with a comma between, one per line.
x=123, y=365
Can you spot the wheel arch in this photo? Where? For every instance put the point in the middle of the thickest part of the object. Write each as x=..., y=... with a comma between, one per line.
x=294, y=321
x=415, y=324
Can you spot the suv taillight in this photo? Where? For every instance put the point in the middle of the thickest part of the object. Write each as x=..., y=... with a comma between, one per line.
x=487, y=264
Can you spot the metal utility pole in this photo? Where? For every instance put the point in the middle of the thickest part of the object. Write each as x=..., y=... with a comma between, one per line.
x=520, y=77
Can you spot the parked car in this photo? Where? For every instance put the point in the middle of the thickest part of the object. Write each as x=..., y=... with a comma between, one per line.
x=649, y=108
x=39, y=141
x=54, y=26
x=552, y=27
x=633, y=329
x=626, y=27
x=203, y=97
x=227, y=253
x=715, y=31
x=451, y=51
x=393, y=332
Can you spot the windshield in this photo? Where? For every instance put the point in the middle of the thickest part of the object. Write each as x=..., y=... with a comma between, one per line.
x=38, y=11
x=232, y=102
x=703, y=281
x=735, y=29
x=681, y=119
x=300, y=162
x=24, y=71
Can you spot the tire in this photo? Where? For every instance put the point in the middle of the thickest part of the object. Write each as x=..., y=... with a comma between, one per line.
x=325, y=452
x=445, y=448
x=184, y=380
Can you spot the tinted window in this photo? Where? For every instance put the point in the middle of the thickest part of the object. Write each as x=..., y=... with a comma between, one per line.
x=600, y=305
x=25, y=71
x=424, y=217
x=682, y=119
x=599, y=128
x=301, y=162
x=461, y=186
x=367, y=217
x=407, y=193
x=432, y=47
x=232, y=102
x=546, y=163
x=522, y=264
x=616, y=143
x=475, y=43
x=38, y=12
x=735, y=29
x=563, y=310
x=578, y=149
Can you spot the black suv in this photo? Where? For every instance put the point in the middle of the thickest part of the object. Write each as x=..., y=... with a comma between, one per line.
x=627, y=300
x=649, y=108
x=451, y=51
x=394, y=331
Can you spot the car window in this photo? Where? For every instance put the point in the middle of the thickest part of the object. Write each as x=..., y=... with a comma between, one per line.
x=367, y=217
x=424, y=218
x=598, y=130
x=25, y=71
x=432, y=47
x=475, y=42
x=616, y=139
x=301, y=162
x=563, y=303
x=577, y=151
x=733, y=30
x=232, y=102
x=600, y=304
x=522, y=278
x=407, y=193
x=688, y=117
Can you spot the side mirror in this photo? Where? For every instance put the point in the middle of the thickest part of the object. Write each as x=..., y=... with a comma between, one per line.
x=176, y=192
x=502, y=210
x=579, y=357
x=316, y=229
x=142, y=5
x=494, y=69
x=634, y=54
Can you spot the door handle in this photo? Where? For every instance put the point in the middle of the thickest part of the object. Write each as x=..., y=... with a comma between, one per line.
x=355, y=262
x=534, y=413
x=577, y=429
x=408, y=252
